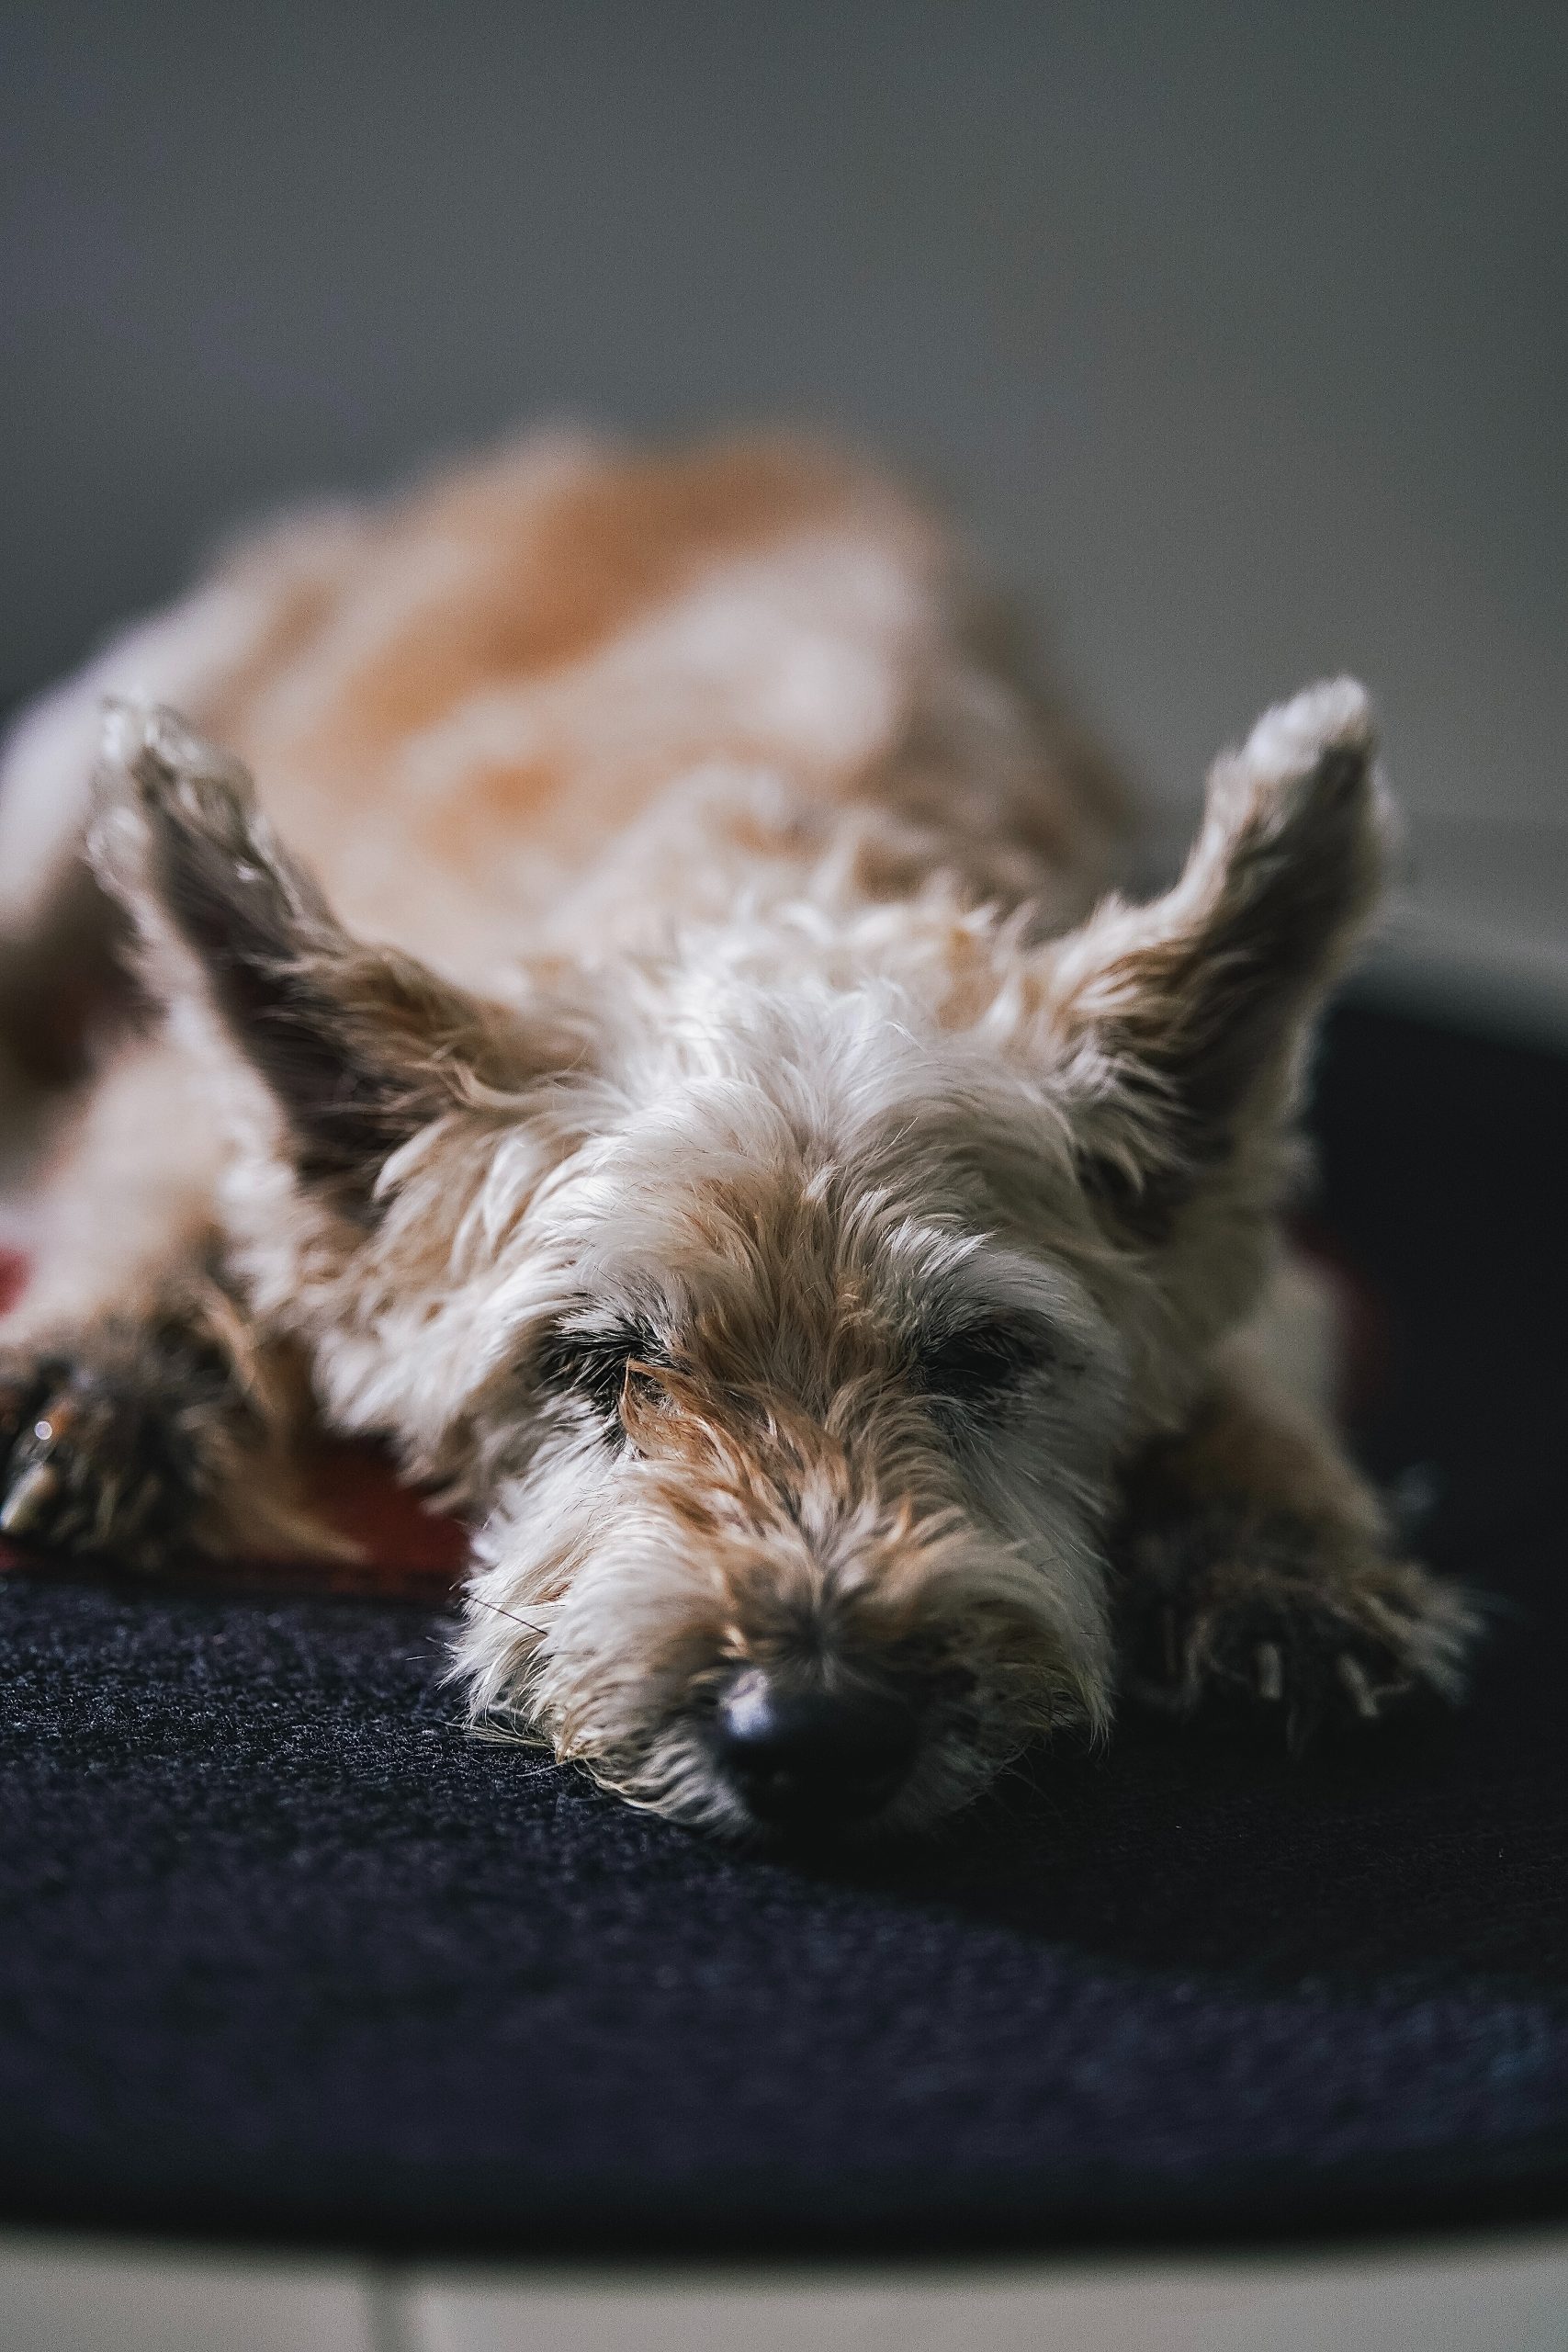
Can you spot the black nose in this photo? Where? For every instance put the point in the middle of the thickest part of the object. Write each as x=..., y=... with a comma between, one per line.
x=802, y=1757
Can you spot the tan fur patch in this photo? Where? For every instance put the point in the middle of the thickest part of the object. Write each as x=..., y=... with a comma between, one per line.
x=528, y=583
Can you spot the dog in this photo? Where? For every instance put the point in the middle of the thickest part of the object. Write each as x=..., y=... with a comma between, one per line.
x=654, y=1042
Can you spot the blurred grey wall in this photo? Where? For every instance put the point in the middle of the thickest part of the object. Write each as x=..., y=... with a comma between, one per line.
x=1237, y=333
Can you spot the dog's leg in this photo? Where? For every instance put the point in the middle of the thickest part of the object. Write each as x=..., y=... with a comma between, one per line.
x=143, y=1416
x=1255, y=1564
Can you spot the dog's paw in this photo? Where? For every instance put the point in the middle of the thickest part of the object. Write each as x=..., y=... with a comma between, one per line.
x=98, y=1453
x=1288, y=1621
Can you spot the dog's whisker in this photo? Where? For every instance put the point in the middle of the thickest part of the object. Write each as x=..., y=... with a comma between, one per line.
x=477, y=1600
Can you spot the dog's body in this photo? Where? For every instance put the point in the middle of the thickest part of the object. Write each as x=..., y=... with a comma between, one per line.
x=762, y=1180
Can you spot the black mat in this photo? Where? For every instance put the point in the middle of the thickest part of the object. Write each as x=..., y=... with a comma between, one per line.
x=283, y=1952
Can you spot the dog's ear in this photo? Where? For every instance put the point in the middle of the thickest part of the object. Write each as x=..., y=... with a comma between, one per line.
x=359, y=1046
x=1176, y=1027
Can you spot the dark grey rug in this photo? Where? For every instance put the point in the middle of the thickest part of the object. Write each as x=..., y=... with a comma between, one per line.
x=283, y=1952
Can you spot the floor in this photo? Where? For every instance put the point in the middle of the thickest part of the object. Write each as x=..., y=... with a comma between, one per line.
x=1492, y=2295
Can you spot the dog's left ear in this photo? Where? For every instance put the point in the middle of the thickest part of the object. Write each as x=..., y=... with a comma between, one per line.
x=1176, y=1028
x=359, y=1046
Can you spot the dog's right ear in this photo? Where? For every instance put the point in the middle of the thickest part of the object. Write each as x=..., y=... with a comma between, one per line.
x=359, y=1046
x=1174, y=1028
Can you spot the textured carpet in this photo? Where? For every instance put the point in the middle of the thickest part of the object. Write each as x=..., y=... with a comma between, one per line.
x=283, y=1952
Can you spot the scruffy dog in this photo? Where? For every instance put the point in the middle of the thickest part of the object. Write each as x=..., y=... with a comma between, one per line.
x=823, y=1243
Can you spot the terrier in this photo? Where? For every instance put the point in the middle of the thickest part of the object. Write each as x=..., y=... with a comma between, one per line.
x=658, y=1052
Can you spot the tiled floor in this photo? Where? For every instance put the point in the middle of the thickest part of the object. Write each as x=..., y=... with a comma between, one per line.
x=59, y=2294
x=1489, y=2296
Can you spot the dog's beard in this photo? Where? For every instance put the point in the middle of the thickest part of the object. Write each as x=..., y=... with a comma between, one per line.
x=605, y=1620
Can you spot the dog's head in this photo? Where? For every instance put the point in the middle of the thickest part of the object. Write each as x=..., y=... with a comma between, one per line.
x=782, y=1307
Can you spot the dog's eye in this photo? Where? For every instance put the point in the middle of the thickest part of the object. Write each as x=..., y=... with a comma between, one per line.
x=595, y=1365
x=974, y=1362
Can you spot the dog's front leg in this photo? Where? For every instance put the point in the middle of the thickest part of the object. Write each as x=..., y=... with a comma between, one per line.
x=144, y=1415
x=1255, y=1564
x=148, y=1436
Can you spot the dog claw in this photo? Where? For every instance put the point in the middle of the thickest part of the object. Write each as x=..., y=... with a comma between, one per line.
x=1354, y=1681
x=1270, y=1672
x=29, y=1499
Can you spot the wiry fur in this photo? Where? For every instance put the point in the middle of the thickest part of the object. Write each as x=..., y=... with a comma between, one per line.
x=766, y=1185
